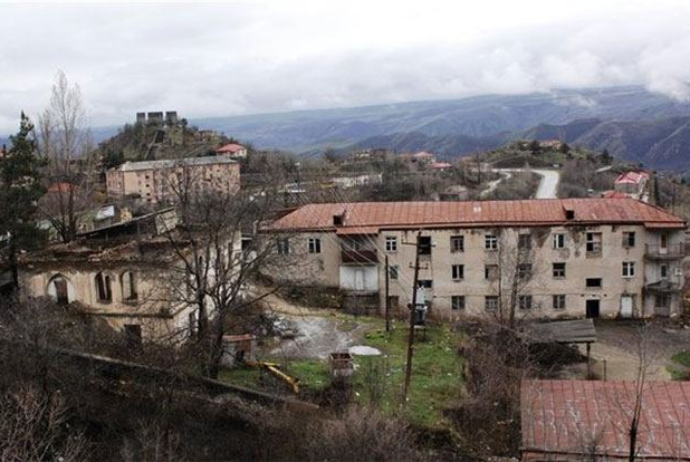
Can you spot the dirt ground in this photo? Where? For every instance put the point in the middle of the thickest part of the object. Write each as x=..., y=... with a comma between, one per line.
x=618, y=342
x=319, y=331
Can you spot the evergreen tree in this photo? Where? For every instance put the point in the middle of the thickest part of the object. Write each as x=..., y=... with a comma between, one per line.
x=605, y=157
x=535, y=148
x=565, y=149
x=20, y=189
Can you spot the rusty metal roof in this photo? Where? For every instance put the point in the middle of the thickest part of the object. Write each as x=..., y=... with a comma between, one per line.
x=579, y=416
x=430, y=215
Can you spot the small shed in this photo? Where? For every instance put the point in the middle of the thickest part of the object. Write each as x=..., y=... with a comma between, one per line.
x=570, y=332
x=237, y=349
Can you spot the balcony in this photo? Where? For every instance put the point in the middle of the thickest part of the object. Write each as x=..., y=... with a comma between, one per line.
x=363, y=256
x=663, y=286
x=669, y=252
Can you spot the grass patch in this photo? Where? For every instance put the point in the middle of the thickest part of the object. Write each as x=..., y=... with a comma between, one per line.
x=436, y=374
x=680, y=369
x=313, y=374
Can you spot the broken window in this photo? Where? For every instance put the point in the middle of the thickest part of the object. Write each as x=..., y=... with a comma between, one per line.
x=525, y=302
x=283, y=246
x=491, y=303
x=628, y=239
x=425, y=283
x=558, y=302
x=103, y=292
x=393, y=272
x=559, y=241
x=594, y=283
x=491, y=272
x=524, y=271
x=524, y=242
x=559, y=270
x=457, y=243
x=457, y=302
x=133, y=335
x=129, y=288
x=425, y=245
x=593, y=242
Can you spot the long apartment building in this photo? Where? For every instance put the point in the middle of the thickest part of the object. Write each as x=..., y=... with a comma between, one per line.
x=160, y=181
x=567, y=258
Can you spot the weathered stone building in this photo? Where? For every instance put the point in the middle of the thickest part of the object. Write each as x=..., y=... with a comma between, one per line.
x=546, y=258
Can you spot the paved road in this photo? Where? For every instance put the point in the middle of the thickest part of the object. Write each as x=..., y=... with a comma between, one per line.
x=548, y=186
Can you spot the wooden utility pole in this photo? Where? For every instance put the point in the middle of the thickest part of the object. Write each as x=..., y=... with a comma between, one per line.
x=413, y=312
x=388, y=301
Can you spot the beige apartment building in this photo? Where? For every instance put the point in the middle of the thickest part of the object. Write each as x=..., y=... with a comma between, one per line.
x=161, y=181
x=570, y=258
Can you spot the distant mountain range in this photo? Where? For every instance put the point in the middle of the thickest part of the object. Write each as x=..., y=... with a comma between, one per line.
x=630, y=122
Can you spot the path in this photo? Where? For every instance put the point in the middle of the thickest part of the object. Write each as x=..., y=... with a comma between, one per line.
x=548, y=186
x=492, y=185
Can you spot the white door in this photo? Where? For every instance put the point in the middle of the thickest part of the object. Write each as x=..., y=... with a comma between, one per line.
x=359, y=279
x=626, y=306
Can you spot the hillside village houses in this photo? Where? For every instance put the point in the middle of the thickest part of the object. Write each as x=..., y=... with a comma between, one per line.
x=157, y=181
x=581, y=257
x=232, y=150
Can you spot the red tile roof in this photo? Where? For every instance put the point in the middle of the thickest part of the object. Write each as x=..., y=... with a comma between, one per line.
x=632, y=177
x=567, y=416
x=61, y=187
x=615, y=195
x=231, y=148
x=537, y=212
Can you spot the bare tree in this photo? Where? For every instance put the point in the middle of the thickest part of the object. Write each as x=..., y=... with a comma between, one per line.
x=65, y=141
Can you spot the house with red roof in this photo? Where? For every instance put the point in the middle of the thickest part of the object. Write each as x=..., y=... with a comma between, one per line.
x=634, y=184
x=579, y=258
x=574, y=420
x=232, y=150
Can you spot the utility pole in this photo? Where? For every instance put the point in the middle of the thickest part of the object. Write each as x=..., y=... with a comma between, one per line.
x=388, y=301
x=413, y=312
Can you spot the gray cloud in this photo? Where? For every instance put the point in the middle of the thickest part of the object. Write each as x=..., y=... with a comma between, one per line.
x=224, y=59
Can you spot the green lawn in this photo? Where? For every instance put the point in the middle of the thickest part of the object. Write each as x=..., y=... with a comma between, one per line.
x=680, y=369
x=378, y=380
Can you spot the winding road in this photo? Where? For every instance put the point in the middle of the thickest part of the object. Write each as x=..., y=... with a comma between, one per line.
x=548, y=186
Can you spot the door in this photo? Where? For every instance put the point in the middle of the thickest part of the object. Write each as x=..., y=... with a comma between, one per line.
x=592, y=308
x=663, y=247
x=626, y=306
x=359, y=279
x=61, y=293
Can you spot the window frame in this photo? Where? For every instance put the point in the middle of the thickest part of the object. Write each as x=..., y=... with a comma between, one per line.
x=599, y=286
x=559, y=241
x=628, y=269
x=488, y=272
x=457, y=302
x=283, y=245
x=391, y=244
x=596, y=245
x=558, y=302
x=393, y=272
x=455, y=248
x=491, y=300
x=554, y=270
x=525, y=302
x=629, y=239
x=314, y=245
x=457, y=268
x=490, y=242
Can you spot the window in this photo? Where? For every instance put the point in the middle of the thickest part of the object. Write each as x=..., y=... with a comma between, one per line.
x=425, y=283
x=663, y=271
x=458, y=272
x=628, y=269
x=457, y=302
x=103, y=292
x=283, y=246
x=129, y=288
x=491, y=272
x=491, y=303
x=628, y=239
x=524, y=241
x=559, y=241
x=558, y=302
x=425, y=245
x=524, y=271
x=594, y=283
x=559, y=270
x=391, y=244
x=593, y=242
x=662, y=301
x=490, y=242
x=525, y=302
x=457, y=243
x=314, y=245
x=393, y=272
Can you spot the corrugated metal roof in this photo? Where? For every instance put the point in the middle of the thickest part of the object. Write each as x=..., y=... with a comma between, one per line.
x=632, y=177
x=170, y=163
x=569, y=416
x=537, y=212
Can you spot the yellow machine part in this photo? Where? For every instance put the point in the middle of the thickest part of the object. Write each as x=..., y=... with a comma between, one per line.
x=274, y=369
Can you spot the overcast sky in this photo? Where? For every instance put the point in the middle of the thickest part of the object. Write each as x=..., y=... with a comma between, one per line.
x=264, y=56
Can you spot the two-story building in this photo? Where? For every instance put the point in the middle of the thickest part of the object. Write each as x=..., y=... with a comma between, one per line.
x=544, y=258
